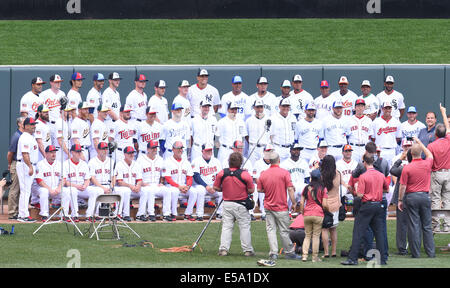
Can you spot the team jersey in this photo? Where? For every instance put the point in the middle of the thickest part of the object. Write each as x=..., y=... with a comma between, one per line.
x=76, y=173
x=111, y=99
x=334, y=130
x=161, y=105
x=308, y=133
x=240, y=100
x=27, y=144
x=80, y=129
x=146, y=132
x=359, y=129
x=173, y=131
x=203, y=130
x=123, y=133
x=52, y=101
x=62, y=131
x=346, y=168
x=196, y=95
x=29, y=103
x=74, y=98
x=130, y=174
x=282, y=129
x=43, y=132
x=396, y=99
x=230, y=130
x=177, y=170
x=299, y=101
x=49, y=173
x=138, y=102
x=269, y=100
x=94, y=97
x=260, y=166
x=386, y=132
x=208, y=170
x=151, y=169
x=99, y=130
x=324, y=106
x=409, y=130
x=372, y=104
x=255, y=128
x=101, y=170
x=186, y=105
x=299, y=169
x=348, y=101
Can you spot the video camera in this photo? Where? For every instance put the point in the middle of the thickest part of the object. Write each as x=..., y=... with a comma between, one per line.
x=7, y=175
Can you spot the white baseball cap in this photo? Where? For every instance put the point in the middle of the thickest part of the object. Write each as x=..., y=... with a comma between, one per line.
x=202, y=72
x=262, y=80
x=269, y=147
x=286, y=83
x=337, y=103
x=407, y=142
x=296, y=78
x=389, y=78
x=387, y=104
x=285, y=102
x=232, y=105
x=323, y=143
x=365, y=83
x=343, y=80
x=258, y=102
x=310, y=106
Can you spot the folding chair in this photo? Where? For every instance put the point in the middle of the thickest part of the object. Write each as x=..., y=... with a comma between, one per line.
x=110, y=220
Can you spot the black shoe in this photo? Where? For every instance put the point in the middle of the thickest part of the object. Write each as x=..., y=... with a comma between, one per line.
x=167, y=219
x=218, y=217
x=349, y=262
x=26, y=219
x=142, y=218
x=151, y=218
x=252, y=217
x=402, y=253
x=44, y=218
x=263, y=218
x=189, y=217
x=13, y=217
x=127, y=218
x=173, y=217
x=199, y=219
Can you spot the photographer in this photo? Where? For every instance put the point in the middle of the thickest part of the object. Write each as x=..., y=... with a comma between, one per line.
x=235, y=186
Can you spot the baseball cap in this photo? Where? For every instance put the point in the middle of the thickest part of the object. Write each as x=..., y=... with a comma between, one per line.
x=389, y=78
x=141, y=78
x=77, y=76
x=103, y=108
x=347, y=148
x=98, y=77
x=152, y=144
x=160, y=84
x=269, y=147
x=151, y=110
x=232, y=105
x=37, y=80
x=262, y=80
x=43, y=108
x=176, y=106
x=202, y=72
x=50, y=148
x=297, y=78
x=177, y=145
x=343, y=80
x=315, y=174
x=114, y=76
x=337, y=103
x=56, y=78
x=285, y=102
x=205, y=102
x=238, y=144
x=236, y=79
x=406, y=142
x=258, y=102
x=76, y=148
x=207, y=146
x=296, y=146
x=29, y=121
x=84, y=105
x=126, y=108
x=129, y=150
x=286, y=83
x=102, y=145
x=70, y=107
x=310, y=106
x=411, y=109
x=360, y=101
x=324, y=83
x=323, y=143
x=184, y=83
x=387, y=104
x=378, y=149
x=365, y=83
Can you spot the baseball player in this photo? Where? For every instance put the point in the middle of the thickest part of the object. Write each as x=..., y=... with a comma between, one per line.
x=257, y=129
x=129, y=182
x=347, y=97
x=80, y=130
x=137, y=98
x=238, y=96
x=76, y=180
x=123, y=132
x=94, y=96
x=300, y=97
x=282, y=130
x=286, y=93
x=359, y=129
x=322, y=150
x=183, y=88
x=153, y=182
x=62, y=133
x=111, y=98
x=324, y=102
x=48, y=182
x=205, y=169
x=178, y=174
x=203, y=129
x=74, y=95
x=27, y=158
x=335, y=129
x=372, y=103
x=99, y=131
x=30, y=101
x=176, y=129
x=299, y=170
x=201, y=90
x=396, y=98
x=387, y=132
x=159, y=102
x=229, y=129
x=42, y=132
x=102, y=178
x=268, y=98
x=345, y=166
x=51, y=98
x=412, y=126
x=308, y=133
x=148, y=130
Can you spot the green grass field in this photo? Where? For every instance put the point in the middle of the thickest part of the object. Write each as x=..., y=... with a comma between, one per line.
x=236, y=41
x=49, y=248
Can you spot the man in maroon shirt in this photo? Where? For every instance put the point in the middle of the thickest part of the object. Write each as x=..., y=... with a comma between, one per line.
x=274, y=182
x=371, y=185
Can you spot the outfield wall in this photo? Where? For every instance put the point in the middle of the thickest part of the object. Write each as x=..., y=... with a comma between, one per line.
x=424, y=86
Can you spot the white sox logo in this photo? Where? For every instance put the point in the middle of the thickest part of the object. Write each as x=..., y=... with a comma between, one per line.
x=394, y=104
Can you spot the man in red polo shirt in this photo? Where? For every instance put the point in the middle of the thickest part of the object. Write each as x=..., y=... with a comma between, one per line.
x=415, y=181
x=274, y=182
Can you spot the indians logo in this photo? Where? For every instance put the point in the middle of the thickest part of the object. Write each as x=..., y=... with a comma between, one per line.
x=386, y=130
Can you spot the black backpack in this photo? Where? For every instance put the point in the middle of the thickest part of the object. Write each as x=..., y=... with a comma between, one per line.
x=248, y=202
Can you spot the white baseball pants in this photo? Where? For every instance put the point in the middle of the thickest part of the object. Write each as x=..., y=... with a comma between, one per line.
x=201, y=192
x=191, y=195
x=25, y=182
x=154, y=191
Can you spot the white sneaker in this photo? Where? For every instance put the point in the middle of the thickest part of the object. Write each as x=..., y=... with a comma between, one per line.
x=264, y=262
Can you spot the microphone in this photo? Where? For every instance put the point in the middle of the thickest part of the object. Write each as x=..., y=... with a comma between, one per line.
x=112, y=146
x=63, y=102
x=268, y=123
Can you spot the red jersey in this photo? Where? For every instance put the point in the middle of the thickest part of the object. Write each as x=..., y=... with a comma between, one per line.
x=274, y=182
x=417, y=175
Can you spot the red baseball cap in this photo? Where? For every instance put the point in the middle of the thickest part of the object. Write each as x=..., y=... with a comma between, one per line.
x=29, y=121
x=324, y=83
x=360, y=101
x=50, y=148
x=76, y=148
x=152, y=144
x=347, y=148
x=141, y=78
x=129, y=150
x=238, y=144
x=102, y=145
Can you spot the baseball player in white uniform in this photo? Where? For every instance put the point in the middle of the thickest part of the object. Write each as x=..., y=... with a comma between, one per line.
x=238, y=96
x=80, y=129
x=257, y=129
x=94, y=96
x=345, y=166
x=148, y=130
x=282, y=130
x=308, y=133
x=99, y=131
x=359, y=130
x=322, y=150
x=396, y=98
x=203, y=129
x=286, y=93
x=334, y=130
x=176, y=129
x=62, y=134
x=137, y=98
x=111, y=98
x=178, y=174
x=372, y=102
x=159, y=102
x=74, y=95
x=30, y=101
x=347, y=97
x=153, y=182
x=48, y=182
x=42, y=132
x=412, y=126
x=27, y=158
x=324, y=103
x=51, y=98
x=183, y=88
x=201, y=90
x=300, y=97
x=205, y=169
x=123, y=132
x=129, y=183
x=269, y=99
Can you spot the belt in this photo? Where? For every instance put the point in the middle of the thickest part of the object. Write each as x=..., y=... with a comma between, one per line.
x=407, y=193
x=120, y=149
x=309, y=148
x=170, y=150
x=257, y=145
x=143, y=152
x=24, y=162
x=372, y=202
x=139, y=120
x=387, y=147
x=337, y=146
x=285, y=146
x=443, y=170
x=53, y=122
x=359, y=145
x=196, y=144
x=229, y=147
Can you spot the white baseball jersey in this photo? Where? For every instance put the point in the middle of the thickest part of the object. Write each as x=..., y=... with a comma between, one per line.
x=230, y=130
x=99, y=130
x=348, y=101
x=334, y=130
x=299, y=102
x=255, y=128
x=93, y=98
x=101, y=170
x=346, y=168
x=29, y=103
x=291, y=100
x=80, y=129
x=146, y=132
x=308, y=133
x=130, y=174
x=260, y=166
x=282, y=129
x=299, y=170
x=151, y=169
x=76, y=173
x=372, y=104
x=27, y=144
x=111, y=99
x=396, y=99
x=359, y=129
x=49, y=173
x=123, y=133
x=196, y=95
x=208, y=170
x=177, y=170
x=203, y=130
x=324, y=106
x=409, y=130
x=173, y=131
x=43, y=132
x=74, y=98
x=52, y=101
x=386, y=132
x=240, y=100
x=62, y=131
x=161, y=105
x=269, y=100
x=138, y=102
x=186, y=105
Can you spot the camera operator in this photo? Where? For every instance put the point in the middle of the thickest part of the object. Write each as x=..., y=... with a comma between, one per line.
x=235, y=190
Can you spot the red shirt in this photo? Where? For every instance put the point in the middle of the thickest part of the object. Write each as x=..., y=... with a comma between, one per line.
x=232, y=187
x=417, y=175
x=298, y=222
x=274, y=182
x=440, y=148
x=311, y=207
x=371, y=184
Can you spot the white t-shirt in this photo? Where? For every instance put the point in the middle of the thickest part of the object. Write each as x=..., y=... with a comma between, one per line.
x=151, y=169
x=138, y=102
x=161, y=105
x=208, y=170
x=196, y=95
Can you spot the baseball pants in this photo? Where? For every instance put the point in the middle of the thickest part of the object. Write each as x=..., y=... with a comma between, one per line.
x=201, y=192
x=259, y=200
x=25, y=182
x=43, y=196
x=257, y=153
x=358, y=152
x=235, y=212
x=440, y=196
x=308, y=153
x=278, y=220
x=196, y=151
x=223, y=155
x=336, y=152
x=191, y=196
x=388, y=154
x=69, y=198
x=127, y=195
x=154, y=191
x=284, y=152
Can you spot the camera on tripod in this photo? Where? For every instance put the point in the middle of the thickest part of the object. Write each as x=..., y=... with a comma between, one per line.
x=105, y=210
x=7, y=175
